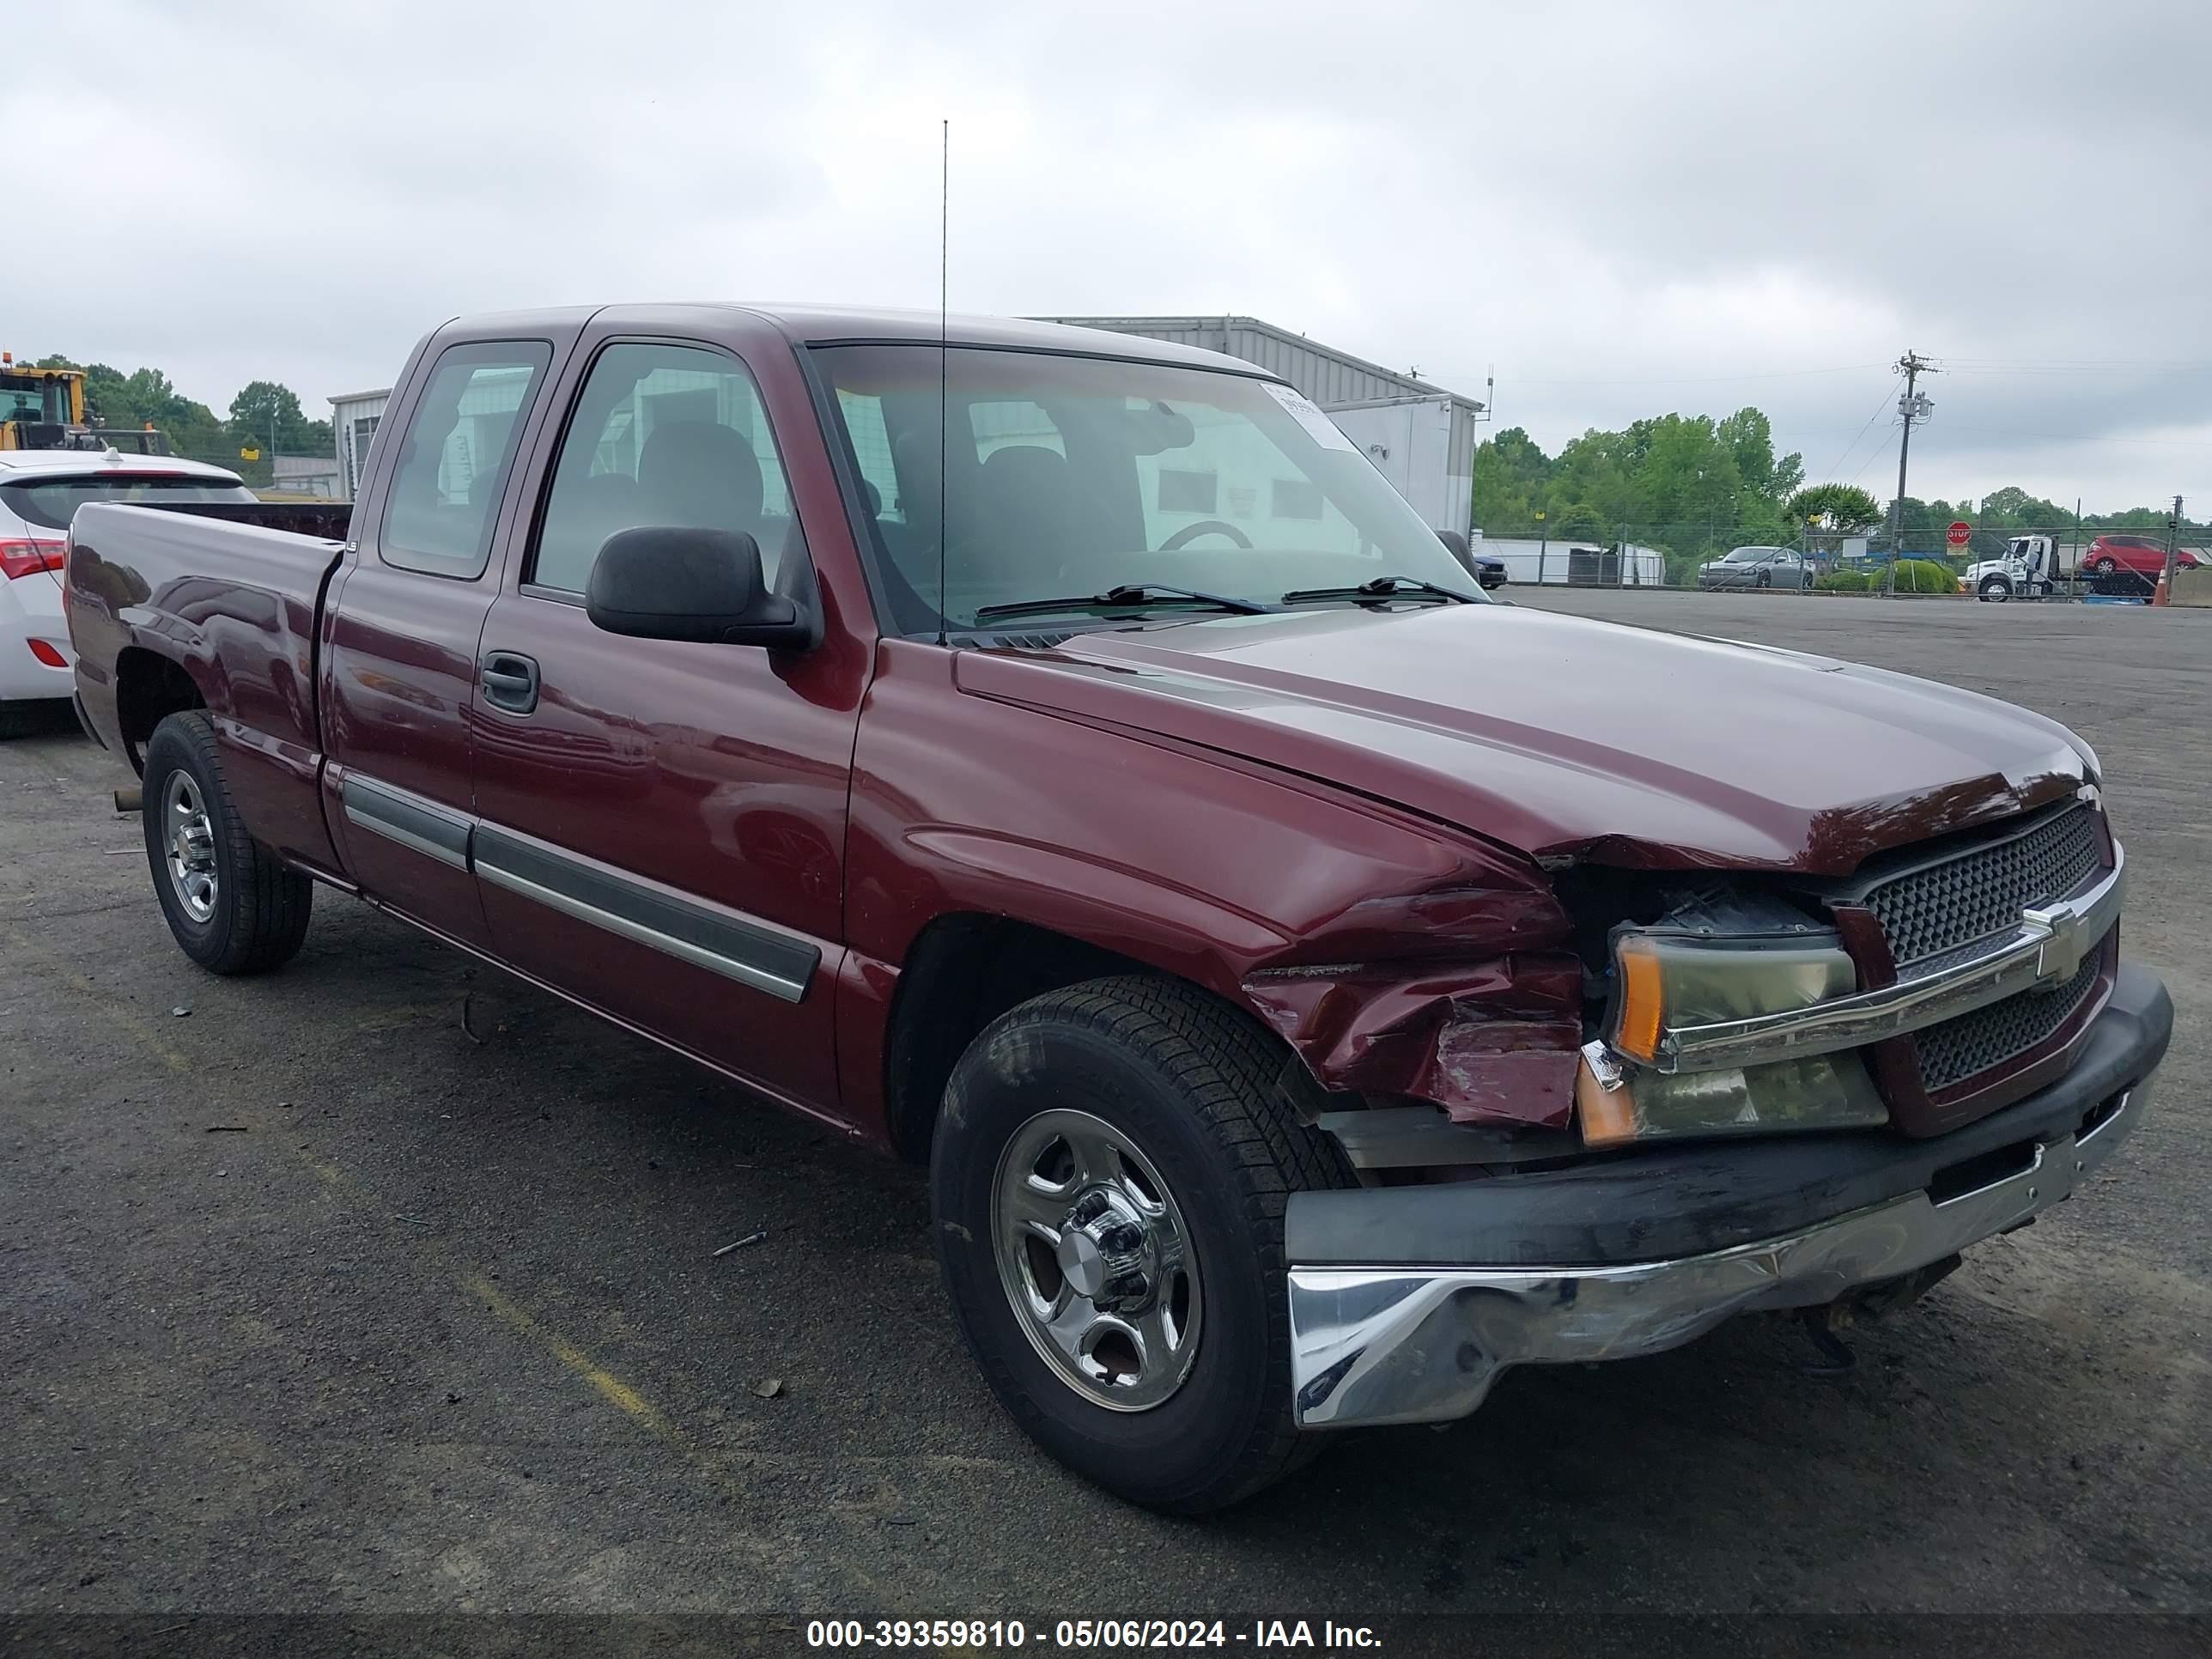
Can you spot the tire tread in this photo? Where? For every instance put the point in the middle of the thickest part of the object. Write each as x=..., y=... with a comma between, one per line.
x=270, y=903
x=1231, y=1069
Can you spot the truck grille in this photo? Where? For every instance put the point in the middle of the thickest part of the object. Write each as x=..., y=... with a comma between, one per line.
x=1973, y=1043
x=1981, y=891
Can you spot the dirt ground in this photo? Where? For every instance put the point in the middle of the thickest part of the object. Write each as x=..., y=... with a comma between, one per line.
x=312, y=1301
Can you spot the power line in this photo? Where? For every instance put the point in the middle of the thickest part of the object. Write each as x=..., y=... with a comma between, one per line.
x=2066, y=365
x=2084, y=437
x=1665, y=380
x=1887, y=392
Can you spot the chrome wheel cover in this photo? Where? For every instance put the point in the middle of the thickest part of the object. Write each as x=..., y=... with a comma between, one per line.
x=1096, y=1261
x=189, y=843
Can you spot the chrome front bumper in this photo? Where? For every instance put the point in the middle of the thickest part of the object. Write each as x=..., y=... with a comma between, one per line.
x=1423, y=1345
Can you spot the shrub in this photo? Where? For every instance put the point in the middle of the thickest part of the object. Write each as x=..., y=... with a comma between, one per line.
x=1844, y=581
x=1925, y=576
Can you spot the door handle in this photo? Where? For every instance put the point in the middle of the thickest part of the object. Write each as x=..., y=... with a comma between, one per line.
x=510, y=681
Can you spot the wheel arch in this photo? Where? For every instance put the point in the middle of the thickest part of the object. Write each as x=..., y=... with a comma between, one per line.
x=150, y=687
x=964, y=970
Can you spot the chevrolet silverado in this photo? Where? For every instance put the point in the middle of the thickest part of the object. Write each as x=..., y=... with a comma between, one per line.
x=1060, y=759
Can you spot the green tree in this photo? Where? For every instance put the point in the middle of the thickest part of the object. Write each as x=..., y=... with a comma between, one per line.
x=1838, y=507
x=1749, y=437
x=264, y=412
x=1826, y=514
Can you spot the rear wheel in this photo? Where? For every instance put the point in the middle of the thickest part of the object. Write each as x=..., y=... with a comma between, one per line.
x=1108, y=1181
x=232, y=906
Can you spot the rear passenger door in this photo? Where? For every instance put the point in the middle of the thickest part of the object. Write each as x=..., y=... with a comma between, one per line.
x=399, y=677
x=661, y=824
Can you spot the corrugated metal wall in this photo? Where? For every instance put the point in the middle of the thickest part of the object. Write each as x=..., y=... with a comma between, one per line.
x=1330, y=378
x=1323, y=373
x=354, y=421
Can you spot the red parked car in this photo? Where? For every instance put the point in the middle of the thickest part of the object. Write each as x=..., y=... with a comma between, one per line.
x=2144, y=555
x=1314, y=988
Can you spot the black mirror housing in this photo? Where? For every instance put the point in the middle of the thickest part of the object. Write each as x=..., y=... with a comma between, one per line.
x=676, y=582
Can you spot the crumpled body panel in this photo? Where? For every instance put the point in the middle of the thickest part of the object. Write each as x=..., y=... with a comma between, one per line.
x=1491, y=1042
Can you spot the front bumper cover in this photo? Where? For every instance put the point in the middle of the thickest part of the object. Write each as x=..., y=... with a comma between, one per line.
x=1590, y=1263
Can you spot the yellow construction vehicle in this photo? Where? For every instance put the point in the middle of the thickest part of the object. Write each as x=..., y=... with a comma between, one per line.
x=44, y=409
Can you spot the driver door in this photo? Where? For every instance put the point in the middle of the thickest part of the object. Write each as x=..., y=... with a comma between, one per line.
x=662, y=822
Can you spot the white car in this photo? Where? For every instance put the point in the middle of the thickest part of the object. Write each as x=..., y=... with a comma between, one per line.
x=39, y=489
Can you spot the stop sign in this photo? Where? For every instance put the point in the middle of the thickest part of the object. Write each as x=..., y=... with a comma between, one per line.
x=1958, y=533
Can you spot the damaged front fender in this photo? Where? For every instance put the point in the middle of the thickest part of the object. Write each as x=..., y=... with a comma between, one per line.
x=1491, y=1042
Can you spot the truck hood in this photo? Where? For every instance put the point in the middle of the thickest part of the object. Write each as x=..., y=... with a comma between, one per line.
x=1565, y=738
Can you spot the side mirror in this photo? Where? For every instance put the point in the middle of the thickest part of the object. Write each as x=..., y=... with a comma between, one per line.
x=672, y=583
x=1456, y=542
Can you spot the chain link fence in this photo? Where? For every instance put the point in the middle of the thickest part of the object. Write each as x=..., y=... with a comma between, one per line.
x=2072, y=559
x=284, y=475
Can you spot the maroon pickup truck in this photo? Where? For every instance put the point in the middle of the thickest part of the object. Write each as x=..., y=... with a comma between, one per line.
x=1061, y=759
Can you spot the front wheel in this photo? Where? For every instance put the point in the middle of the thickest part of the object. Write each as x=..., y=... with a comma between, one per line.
x=1109, y=1180
x=1995, y=591
x=233, y=907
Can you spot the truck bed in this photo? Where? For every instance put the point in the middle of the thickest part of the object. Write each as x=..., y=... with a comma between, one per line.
x=328, y=521
x=219, y=594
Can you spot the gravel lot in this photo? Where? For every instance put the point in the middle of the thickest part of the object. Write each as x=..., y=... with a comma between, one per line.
x=314, y=1300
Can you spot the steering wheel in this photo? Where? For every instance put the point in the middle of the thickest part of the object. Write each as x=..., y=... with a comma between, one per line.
x=1190, y=532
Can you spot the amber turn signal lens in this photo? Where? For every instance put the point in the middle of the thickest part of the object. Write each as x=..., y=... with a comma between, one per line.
x=1608, y=1115
x=1636, y=1032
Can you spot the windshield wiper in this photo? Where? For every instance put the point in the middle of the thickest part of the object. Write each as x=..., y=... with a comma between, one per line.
x=1125, y=596
x=1379, y=588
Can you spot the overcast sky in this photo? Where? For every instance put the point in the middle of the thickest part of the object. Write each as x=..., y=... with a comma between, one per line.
x=1622, y=208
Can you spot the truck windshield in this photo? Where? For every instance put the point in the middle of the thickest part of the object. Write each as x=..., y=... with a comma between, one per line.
x=27, y=398
x=49, y=503
x=1076, y=476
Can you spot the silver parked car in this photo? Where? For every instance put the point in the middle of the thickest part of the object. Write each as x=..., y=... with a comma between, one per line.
x=1757, y=567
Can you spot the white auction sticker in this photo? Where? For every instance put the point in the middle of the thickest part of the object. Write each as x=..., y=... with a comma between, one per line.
x=1308, y=413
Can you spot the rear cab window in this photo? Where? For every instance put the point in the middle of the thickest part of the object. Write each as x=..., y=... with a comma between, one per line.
x=456, y=455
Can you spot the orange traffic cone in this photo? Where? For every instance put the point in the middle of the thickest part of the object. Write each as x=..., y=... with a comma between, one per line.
x=2158, y=594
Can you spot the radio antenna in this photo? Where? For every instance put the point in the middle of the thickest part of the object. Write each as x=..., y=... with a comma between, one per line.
x=943, y=352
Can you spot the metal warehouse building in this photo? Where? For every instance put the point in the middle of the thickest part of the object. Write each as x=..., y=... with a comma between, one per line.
x=1422, y=436
x=353, y=423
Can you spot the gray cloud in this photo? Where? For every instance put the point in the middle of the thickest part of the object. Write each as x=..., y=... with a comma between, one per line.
x=1626, y=209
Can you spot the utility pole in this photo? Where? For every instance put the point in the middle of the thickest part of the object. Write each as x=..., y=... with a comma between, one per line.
x=2172, y=533
x=1913, y=406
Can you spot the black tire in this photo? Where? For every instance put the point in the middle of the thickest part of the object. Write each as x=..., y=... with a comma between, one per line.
x=258, y=907
x=1995, y=590
x=1767, y=579
x=1195, y=1086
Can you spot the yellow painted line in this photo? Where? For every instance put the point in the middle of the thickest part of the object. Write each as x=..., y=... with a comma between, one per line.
x=127, y=1018
x=610, y=1386
x=713, y=1467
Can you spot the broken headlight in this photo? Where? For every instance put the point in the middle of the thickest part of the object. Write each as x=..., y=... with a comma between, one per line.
x=1715, y=958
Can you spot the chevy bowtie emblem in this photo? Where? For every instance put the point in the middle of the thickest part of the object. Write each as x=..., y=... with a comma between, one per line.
x=2062, y=951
